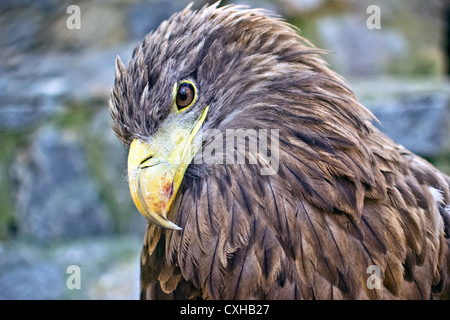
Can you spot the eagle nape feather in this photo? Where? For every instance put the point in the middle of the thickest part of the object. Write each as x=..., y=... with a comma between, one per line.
x=332, y=209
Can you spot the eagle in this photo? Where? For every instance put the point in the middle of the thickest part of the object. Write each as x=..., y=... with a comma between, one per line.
x=324, y=207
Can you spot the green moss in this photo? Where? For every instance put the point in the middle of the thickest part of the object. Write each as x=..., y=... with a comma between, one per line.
x=76, y=116
x=11, y=141
x=7, y=219
x=96, y=162
x=442, y=162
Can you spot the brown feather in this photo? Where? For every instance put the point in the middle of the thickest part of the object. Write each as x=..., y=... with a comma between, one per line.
x=345, y=197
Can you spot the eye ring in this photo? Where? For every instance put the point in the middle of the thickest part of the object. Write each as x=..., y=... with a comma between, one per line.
x=186, y=95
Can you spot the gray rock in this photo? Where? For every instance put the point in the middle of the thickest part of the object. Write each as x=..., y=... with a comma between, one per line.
x=273, y=6
x=35, y=87
x=34, y=281
x=357, y=50
x=109, y=266
x=414, y=113
x=408, y=41
x=23, y=115
x=421, y=123
x=56, y=196
x=145, y=17
x=18, y=4
x=301, y=6
x=20, y=33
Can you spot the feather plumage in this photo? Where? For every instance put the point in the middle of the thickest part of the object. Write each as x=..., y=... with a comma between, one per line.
x=345, y=197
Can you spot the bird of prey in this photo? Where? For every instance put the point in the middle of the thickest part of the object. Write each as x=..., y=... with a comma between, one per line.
x=342, y=212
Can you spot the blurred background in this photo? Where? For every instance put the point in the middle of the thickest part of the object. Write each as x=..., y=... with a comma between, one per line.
x=64, y=198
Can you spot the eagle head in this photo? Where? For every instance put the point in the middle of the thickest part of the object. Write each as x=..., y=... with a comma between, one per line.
x=216, y=68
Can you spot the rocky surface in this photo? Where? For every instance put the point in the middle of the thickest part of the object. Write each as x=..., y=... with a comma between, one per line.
x=56, y=197
x=63, y=191
x=415, y=114
x=108, y=269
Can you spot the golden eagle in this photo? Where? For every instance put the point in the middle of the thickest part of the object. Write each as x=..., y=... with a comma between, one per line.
x=345, y=214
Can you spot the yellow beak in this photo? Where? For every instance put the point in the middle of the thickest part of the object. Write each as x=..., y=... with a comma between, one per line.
x=156, y=169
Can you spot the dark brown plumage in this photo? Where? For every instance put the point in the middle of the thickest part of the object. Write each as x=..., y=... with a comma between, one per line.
x=345, y=196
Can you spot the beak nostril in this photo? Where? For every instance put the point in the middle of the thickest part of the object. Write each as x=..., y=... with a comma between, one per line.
x=148, y=158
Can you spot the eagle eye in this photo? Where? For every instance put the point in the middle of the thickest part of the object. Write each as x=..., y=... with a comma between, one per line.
x=186, y=95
